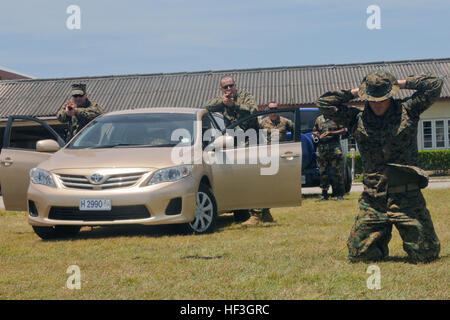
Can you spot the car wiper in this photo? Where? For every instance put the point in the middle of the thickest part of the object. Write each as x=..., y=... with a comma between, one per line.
x=163, y=145
x=132, y=145
x=106, y=146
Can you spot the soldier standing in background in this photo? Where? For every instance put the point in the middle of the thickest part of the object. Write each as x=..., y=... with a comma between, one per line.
x=78, y=111
x=386, y=133
x=277, y=122
x=330, y=156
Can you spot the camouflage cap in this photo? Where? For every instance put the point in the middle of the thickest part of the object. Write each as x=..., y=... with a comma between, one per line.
x=378, y=86
x=78, y=88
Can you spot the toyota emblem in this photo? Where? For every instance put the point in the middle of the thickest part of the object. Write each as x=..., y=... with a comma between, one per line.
x=96, y=178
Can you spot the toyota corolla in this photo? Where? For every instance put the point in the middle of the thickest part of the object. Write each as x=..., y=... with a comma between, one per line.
x=142, y=166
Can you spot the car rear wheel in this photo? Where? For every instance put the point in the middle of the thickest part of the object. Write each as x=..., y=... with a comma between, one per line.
x=54, y=232
x=205, y=213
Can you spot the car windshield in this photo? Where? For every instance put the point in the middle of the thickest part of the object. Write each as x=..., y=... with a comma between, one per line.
x=137, y=130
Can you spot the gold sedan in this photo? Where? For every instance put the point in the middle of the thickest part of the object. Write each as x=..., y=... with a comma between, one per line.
x=142, y=166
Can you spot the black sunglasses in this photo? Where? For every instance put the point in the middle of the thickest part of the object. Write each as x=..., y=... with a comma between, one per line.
x=228, y=86
x=78, y=95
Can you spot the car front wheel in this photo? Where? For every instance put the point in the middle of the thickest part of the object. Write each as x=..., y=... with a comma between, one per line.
x=205, y=213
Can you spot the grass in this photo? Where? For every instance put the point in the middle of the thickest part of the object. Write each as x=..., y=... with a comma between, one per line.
x=301, y=256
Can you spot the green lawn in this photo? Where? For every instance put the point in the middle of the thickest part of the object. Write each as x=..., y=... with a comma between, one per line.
x=301, y=256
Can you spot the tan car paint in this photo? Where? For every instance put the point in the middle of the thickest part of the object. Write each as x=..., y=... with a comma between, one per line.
x=234, y=186
x=15, y=166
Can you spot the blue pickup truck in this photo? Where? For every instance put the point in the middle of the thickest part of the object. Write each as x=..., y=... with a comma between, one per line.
x=310, y=170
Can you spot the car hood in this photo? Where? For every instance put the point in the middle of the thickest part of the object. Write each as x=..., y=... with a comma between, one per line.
x=154, y=158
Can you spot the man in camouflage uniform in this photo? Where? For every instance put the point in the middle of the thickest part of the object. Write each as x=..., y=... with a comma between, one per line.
x=234, y=105
x=386, y=133
x=329, y=156
x=276, y=125
x=78, y=111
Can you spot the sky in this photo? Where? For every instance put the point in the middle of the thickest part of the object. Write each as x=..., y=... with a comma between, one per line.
x=163, y=36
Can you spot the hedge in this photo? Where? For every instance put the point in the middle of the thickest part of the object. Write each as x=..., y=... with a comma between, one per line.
x=430, y=160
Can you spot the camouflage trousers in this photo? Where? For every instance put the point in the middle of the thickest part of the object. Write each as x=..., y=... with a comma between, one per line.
x=371, y=232
x=335, y=162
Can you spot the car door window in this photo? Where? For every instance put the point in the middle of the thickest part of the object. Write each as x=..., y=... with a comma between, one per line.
x=275, y=126
x=218, y=120
x=25, y=133
x=209, y=130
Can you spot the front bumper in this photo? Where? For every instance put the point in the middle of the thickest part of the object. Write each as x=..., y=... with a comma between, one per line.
x=155, y=198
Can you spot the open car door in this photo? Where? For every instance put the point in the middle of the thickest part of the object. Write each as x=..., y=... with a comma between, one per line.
x=19, y=155
x=261, y=174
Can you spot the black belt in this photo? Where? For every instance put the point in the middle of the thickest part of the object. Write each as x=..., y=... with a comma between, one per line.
x=404, y=188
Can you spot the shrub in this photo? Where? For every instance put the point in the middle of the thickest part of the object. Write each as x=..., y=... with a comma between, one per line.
x=430, y=160
x=435, y=160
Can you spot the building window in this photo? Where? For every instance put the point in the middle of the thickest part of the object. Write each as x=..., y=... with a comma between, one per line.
x=427, y=135
x=448, y=130
x=436, y=134
x=440, y=136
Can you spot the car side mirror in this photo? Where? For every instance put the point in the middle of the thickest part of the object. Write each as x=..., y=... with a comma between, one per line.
x=223, y=142
x=47, y=145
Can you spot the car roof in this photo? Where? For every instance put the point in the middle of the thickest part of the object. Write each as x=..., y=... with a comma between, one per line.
x=157, y=110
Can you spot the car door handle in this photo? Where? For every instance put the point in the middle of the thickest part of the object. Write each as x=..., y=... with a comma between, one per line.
x=7, y=162
x=290, y=155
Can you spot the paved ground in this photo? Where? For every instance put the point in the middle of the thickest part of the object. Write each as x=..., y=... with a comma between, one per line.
x=356, y=187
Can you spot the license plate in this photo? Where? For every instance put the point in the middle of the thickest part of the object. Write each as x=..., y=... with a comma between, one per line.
x=95, y=204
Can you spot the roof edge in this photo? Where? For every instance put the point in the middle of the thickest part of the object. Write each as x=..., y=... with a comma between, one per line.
x=232, y=70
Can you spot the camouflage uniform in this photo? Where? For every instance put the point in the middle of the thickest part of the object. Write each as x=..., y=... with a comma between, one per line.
x=244, y=105
x=392, y=180
x=330, y=156
x=282, y=124
x=84, y=114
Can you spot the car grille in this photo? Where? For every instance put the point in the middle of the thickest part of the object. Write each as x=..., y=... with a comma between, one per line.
x=116, y=213
x=113, y=181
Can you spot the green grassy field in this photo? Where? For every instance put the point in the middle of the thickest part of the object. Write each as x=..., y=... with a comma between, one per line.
x=301, y=256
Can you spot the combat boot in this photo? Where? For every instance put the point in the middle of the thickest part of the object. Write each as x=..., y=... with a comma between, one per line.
x=324, y=196
x=340, y=198
x=266, y=216
x=254, y=220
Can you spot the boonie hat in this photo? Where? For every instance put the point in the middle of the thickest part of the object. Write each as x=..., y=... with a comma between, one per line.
x=378, y=86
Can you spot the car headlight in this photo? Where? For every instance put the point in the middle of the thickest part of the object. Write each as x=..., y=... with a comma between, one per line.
x=40, y=176
x=170, y=174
